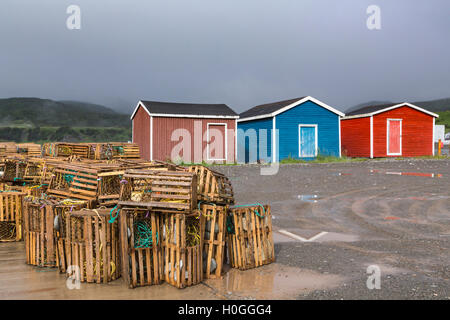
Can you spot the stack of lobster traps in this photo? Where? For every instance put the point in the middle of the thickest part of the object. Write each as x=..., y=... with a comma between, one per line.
x=100, y=212
x=175, y=226
x=93, y=151
x=161, y=230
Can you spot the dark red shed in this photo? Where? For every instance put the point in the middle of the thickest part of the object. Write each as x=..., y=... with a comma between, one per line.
x=186, y=132
x=393, y=130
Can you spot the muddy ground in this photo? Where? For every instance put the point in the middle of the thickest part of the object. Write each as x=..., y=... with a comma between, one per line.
x=331, y=221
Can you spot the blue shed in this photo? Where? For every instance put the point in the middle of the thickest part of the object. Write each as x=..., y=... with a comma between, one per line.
x=300, y=128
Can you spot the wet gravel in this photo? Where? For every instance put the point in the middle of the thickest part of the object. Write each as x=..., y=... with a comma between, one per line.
x=402, y=223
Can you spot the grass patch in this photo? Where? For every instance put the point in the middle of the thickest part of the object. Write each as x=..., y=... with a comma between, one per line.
x=444, y=118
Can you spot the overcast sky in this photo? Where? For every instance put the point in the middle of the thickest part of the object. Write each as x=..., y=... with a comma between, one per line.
x=238, y=52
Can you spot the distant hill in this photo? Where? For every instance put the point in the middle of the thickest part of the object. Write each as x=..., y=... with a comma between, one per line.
x=35, y=112
x=435, y=105
x=432, y=105
x=366, y=104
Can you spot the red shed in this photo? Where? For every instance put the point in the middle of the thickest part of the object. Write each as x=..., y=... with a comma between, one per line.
x=184, y=131
x=392, y=130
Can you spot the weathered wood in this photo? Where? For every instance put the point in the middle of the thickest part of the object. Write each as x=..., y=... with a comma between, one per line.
x=250, y=239
x=182, y=249
x=162, y=190
x=214, y=237
x=140, y=246
x=89, y=248
x=11, y=216
x=213, y=186
x=39, y=217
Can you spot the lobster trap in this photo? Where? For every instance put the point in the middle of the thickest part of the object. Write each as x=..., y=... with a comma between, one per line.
x=214, y=232
x=29, y=149
x=168, y=191
x=213, y=186
x=11, y=216
x=92, y=246
x=14, y=169
x=250, y=239
x=182, y=244
x=40, y=218
x=114, y=150
x=140, y=232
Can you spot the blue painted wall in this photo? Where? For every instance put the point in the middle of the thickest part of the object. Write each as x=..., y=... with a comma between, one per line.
x=263, y=150
x=287, y=124
x=308, y=113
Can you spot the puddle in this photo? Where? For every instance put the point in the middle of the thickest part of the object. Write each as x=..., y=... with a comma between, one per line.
x=415, y=174
x=312, y=198
x=273, y=281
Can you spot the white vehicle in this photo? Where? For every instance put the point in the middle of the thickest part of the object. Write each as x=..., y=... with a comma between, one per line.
x=447, y=138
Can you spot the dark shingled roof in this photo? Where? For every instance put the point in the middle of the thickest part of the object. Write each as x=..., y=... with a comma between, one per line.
x=188, y=108
x=267, y=108
x=370, y=109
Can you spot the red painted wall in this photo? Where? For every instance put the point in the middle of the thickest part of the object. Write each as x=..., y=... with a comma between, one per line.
x=355, y=137
x=164, y=127
x=141, y=132
x=417, y=132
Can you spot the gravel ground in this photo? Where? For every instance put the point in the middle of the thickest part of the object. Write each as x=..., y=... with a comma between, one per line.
x=391, y=214
x=400, y=223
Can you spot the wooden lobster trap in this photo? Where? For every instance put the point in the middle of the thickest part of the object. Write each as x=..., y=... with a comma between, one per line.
x=213, y=186
x=66, y=149
x=14, y=169
x=168, y=191
x=92, y=246
x=250, y=239
x=142, y=260
x=110, y=178
x=42, y=219
x=214, y=232
x=113, y=150
x=11, y=216
x=8, y=148
x=182, y=245
x=29, y=149
x=74, y=181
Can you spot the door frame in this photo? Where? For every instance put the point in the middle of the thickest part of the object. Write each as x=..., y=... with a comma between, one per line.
x=315, y=126
x=225, y=141
x=387, y=137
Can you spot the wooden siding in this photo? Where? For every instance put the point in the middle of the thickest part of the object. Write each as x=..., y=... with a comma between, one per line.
x=355, y=137
x=417, y=132
x=141, y=132
x=164, y=127
x=263, y=148
x=307, y=113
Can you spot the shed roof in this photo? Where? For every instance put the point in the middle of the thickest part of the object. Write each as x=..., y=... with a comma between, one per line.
x=274, y=108
x=196, y=110
x=373, y=110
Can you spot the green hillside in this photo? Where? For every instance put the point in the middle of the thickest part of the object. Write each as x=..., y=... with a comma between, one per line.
x=42, y=120
x=35, y=112
x=435, y=105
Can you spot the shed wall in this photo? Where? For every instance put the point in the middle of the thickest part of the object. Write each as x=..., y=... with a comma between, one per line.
x=355, y=135
x=141, y=132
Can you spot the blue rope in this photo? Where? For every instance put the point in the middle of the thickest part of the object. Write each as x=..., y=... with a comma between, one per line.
x=144, y=236
x=253, y=205
x=110, y=214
